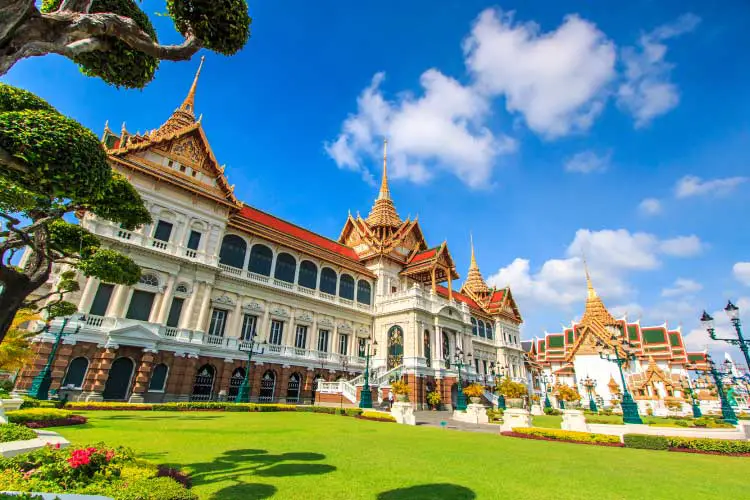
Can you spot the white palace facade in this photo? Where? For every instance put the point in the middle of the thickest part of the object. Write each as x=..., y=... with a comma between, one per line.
x=216, y=271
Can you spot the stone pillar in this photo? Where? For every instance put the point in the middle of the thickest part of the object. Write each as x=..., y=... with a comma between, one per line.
x=188, y=378
x=573, y=420
x=515, y=417
x=188, y=312
x=265, y=326
x=87, y=297
x=235, y=323
x=205, y=309
x=224, y=377
x=175, y=379
x=403, y=413
x=117, y=303
x=282, y=383
x=143, y=376
x=96, y=379
x=166, y=301
x=255, y=376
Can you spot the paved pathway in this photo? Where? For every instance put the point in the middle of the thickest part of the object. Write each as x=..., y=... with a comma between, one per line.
x=435, y=418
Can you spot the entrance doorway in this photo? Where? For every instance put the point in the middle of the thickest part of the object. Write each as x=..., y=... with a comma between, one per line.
x=118, y=381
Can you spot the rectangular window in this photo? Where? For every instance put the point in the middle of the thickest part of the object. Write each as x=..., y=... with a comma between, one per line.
x=343, y=344
x=194, y=240
x=323, y=340
x=249, y=323
x=140, y=305
x=175, y=311
x=163, y=231
x=218, y=323
x=277, y=332
x=101, y=299
x=484, y=367
x=476, y=364
x=300, y=340
x=361, y=347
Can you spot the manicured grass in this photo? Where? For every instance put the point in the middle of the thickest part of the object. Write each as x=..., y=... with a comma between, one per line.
x=309, y=456
x=547, y=421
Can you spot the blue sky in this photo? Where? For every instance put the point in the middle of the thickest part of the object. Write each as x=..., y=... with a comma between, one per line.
x=549, y=129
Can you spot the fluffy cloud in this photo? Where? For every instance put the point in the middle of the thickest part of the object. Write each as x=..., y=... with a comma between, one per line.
x=691, y=185
x=650, y=206
x=555, y=80
x=697, y=338
x=647, y=91
x=741, y=272
x=587, y=162
x=682, y=246
x=682, y=286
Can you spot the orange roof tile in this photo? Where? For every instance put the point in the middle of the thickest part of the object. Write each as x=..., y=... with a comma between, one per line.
x=441, y=290
x=424, y=255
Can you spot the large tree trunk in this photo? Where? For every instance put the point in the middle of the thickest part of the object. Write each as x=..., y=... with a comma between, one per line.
x=12, y=297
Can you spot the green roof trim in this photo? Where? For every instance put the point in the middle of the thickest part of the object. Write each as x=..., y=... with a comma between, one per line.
x=632, y=332
x=696, y=357
x=542, y=347
x=569, y=335
x=654, y=336
x=556, y=341
x=674, y=339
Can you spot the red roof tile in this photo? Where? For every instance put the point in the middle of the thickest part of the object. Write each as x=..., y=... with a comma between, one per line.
x=423, y=255
x=497, y=296
x=283, y=226
x=441, y=290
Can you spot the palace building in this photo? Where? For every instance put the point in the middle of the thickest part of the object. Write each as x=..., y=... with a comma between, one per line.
x=217, y=273
x=660, y=368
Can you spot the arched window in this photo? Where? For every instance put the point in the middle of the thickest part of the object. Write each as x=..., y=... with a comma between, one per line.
x=293, y=388
x=260, y=260
x=232, y=251
x=158, y=378
x=363, y=292
x=149, y=279
x=346, y=287
x=285, y=267
x=203, y=384
x=328, y=281
x=427, y=348
x=308, y=275
x=76, y=373
x=446, y=350
x=474, y=329
x=482, y=332
x=267, y=386
x=489, y=330
x=395, y=347
x=238, y=376
x=182, y=288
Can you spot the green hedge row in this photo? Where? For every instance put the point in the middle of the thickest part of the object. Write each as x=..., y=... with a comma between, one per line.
x=211, y=405
x=728, y=446
x=36, y=414
x=15, y=432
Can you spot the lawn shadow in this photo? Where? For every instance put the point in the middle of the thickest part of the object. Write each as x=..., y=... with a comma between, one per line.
x=438, y=491
x=244, y=491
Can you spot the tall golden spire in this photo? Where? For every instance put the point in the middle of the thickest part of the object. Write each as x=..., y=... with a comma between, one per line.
x=474, y=281
x=383, y=213
x=473, y=264
x=591, y=293
x=595, y=309
x=183, y=116
x=189, y=103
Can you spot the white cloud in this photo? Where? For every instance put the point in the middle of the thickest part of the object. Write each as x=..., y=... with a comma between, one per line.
x=632, y=310
x=587, y=162
x=691, y=185
x=647, y=91
x=682, y=286
x=682, y=246
x=741, y=271
x=556, y=80
x=698, y=338
x=650, y=206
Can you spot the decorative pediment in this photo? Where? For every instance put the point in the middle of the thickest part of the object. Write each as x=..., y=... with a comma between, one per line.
x=305, y=316
x=189, y=151
x=325, y=321
x=345, y=326
x=223, y=300
x=277, y=310
x=253, y=307
x=134, y=334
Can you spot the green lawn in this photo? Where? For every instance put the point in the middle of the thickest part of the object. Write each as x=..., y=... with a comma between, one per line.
x=310, y=456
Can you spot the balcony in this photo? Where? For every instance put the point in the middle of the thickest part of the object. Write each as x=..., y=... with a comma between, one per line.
x=270, y=282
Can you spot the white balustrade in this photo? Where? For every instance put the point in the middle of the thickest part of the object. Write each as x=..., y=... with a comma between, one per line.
x=214, y=339
x=170, y=331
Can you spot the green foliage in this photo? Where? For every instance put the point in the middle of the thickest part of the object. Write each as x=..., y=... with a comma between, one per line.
x=433, y=398
x=29, y=402
x=111, y=267
x=119, y=65
x=710, y=445
x=474, y=390
x=711, y=423
x=36, y=414
x=71, y=239
x=495, y=415
x=376, y=415
x=561, y=435
x=552, y=411
x=60, y=309
x=510, y=389
x=15, y=99
x=221, y=25
x=129, y=209
x=15, y=432
x=23, y=496
x=646, y=441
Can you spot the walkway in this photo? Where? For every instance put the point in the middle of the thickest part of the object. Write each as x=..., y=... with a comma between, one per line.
x=443, y=419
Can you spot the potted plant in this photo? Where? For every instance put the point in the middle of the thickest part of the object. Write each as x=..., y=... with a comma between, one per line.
x=569, y=395
x=474, y=392
x=513, y=392
x=433, y=399
x=401, y=390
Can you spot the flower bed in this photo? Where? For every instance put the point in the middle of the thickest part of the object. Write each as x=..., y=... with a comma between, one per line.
x=92, y=470
x=689, y=445
x=377, y=416
x=15, y=432
x=57, y=422
x=561, y=435
x=38, y=418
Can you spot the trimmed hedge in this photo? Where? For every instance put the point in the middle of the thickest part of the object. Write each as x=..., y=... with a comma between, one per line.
x=29, y=402
x=728, y=446
x=646, y=441
x=561, y=435
x=94, y=405
x=213, y=406
x=58, y=422
x=375, y=415
x=15, y=432
x=36, y=415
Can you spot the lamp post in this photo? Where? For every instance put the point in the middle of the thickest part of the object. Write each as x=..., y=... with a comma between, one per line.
x=686, y=389
x=498, y=372
x=545, y=381
x=734, y=315
x=629, y=407
x=345, y=369
x=365, y=396
x=459, y=361
x=727, y=413
x=243, y=393
x=41, y=383
x=589, y=384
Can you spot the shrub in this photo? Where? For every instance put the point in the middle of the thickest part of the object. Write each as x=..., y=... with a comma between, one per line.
x=567, y=393
x=29, y=402
x=495, y=415
x=552, y=411
x=376, y=415
x=57, y=422
x=15, y=432
x=474, y=390
x=710, y=445
x=401, y=388
x=711, y=423
x=21, y=496
x=433, y=398
x=510, y=389
x=36, y=415
x=646, y=441
x=561, y=435
x=603, y=419
x=97, y=405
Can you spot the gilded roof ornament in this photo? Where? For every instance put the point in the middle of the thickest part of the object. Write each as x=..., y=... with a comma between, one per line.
x=183, y=116
x=474, y=281
x=383, y=213
x=595, y=309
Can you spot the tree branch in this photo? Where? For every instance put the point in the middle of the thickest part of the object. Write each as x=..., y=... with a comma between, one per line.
x=11, y=161
x=12, y=14
x=83, y=6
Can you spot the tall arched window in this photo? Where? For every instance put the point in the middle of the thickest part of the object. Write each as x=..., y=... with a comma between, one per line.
x=427, y=348
x=203, y=385
x=158, y=378
x=293, y=388
x=489, y=330
x=395, y=347
x=260, y=260
x=482, y=332
x=446, y=350
x=328, y=280
x=363, y=292
x=346, y=287
x=238, y=376
x=285, y=267
x=232, y=251
x=308, y=275
x=149, y=279
x=474, y=329
x=267, y=387
x=76, y=373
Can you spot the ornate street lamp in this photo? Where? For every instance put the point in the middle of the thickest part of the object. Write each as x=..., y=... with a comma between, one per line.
x=734, y=315
x=694, y=403
x=365, y=396
x=629, y=407
x=345, y=369
x=459, y=361
x=545, y=381
x=589, y=384
x=243, y=393
x=727, y=413
x=498, y=372
x=41, y=383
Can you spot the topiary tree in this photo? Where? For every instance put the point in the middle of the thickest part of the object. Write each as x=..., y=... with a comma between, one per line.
x=51, y=167
x=114, y=39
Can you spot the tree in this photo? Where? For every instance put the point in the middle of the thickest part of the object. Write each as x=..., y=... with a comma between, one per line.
x=114, y=39
x=16, y=348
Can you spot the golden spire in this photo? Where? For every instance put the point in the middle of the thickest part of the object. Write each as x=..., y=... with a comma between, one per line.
x=591, y=293
x=183, y=116
x=473, y=264
x=595, y=310
x=383, y=213
x=385, y=193
x=474, y=281
x=189, y=103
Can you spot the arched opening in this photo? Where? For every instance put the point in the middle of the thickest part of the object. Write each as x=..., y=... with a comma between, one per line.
x=346, y=287
x=158, y=378
x=489, y=331
x=238, y=375
x=308, y=275
x=118, y=381
x=328, y=280
x=260, y=260
x=395, y=347
x=454, y=395
x=293, y=388
x=232, y=253
x=316, y=380
x=446, y=350
x=363, y=292
x=203, y=385
x=482, y=332
x=427, y=348
x=286, y=265
x=267, y=387
x=474, y=328
x=76, y=373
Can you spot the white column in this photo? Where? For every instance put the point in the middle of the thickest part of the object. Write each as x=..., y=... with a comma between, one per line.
x=187, y=313
x=153, y=315
x=235, y=325
x=166, y=302
x=265, y=327
x=205, y=308
x=87, y=297
x=288, y=338
x=117, y=303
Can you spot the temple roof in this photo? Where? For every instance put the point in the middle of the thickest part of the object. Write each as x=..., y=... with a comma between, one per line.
x=474, y=282
x=595, y=311
x=383, y=212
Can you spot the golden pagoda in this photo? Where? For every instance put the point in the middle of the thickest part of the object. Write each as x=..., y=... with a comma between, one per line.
x=474, y=283
x=383, y=217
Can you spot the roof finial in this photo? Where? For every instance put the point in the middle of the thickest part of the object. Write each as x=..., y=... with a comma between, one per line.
x=473, y=264
x=385, y=193
x=189, y=103
x=591, y=292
